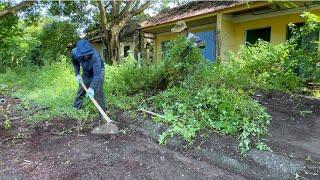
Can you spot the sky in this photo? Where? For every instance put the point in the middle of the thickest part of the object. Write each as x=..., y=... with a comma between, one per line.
x=152, y=12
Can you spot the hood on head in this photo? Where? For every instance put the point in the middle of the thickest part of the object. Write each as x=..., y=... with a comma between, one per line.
x=84, y=48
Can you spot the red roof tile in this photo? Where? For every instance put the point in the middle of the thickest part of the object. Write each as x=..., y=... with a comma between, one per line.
x=191, y=9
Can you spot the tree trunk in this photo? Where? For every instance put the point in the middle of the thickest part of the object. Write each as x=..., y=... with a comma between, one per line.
x=114, y=45
x=111, y=31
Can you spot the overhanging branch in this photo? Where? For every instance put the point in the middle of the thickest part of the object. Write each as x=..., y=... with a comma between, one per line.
x=20, y=6
x=141, y=8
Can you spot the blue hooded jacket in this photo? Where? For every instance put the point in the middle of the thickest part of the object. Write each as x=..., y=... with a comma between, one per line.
x=93, y=67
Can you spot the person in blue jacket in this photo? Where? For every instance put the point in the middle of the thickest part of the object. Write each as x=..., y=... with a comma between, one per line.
x=83, y=55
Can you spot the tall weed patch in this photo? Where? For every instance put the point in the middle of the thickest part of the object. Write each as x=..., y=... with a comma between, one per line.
x=52, y=86
x=266, y=67
x=131, y=78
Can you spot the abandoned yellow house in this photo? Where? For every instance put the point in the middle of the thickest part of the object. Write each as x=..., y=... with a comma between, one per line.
x=225, y=25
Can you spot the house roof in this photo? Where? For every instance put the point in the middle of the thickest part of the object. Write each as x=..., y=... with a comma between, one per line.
x=126, y=34
x=190, y=9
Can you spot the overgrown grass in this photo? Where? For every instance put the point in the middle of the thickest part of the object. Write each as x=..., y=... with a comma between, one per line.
x=194, y=95
x=52, y=86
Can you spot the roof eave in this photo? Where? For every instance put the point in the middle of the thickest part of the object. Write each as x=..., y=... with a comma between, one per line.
x=198, y=16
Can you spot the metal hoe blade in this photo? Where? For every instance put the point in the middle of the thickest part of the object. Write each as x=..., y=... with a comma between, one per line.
x=107, y=128
x=104, y=129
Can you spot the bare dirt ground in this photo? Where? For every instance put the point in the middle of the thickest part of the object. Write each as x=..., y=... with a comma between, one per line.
x=49, y=150
x=56, y=150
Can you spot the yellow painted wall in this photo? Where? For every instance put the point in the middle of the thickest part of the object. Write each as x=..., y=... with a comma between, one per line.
x=234, y=34
x=227, y=35
x=159, y=39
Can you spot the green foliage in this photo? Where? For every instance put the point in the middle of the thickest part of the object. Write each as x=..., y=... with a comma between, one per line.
x=305, y=51
x=51, y=86
x=180, y=61
x=131, y=78
x=80, y=13
x=7, y=124
x=39, y=43
x=194, y=109
x=268, y=67
x=200, y=97
x=54, y=38
x=9, y=43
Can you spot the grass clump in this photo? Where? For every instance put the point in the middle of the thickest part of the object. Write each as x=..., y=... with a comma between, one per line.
x=52, y=86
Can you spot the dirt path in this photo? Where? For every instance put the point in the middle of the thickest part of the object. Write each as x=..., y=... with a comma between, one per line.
x=38, y=152
x=52, y=151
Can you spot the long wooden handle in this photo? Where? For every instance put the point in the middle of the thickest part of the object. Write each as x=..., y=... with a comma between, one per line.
x=152, y=113
x=105, y=116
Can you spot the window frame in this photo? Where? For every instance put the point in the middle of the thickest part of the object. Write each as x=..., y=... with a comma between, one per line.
x=256, y=28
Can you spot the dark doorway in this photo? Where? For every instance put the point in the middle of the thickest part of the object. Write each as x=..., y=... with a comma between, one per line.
x=126, y=50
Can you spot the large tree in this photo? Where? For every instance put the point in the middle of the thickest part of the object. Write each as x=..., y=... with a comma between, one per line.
x=114, y=16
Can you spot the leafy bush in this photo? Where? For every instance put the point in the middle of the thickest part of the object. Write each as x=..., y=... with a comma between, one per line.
x=180, y=62
x=200, y=96
x=14, y=46
x=130, y=77
x=191, y=110
x=270, y=67
x=54, y=38
x=42, y=42
x=305, y=51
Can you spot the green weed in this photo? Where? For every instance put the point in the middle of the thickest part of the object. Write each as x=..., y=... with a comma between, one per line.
x=52, y=86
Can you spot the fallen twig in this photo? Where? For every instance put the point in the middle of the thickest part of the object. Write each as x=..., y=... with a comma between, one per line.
x=153, y=113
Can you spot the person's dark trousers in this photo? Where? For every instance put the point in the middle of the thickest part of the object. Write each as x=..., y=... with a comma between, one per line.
x=98, y=94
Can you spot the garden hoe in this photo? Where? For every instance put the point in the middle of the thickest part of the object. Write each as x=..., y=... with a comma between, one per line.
x=109, y=127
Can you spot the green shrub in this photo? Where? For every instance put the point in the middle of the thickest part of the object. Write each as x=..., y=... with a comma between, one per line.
x=198, y=109
x=61, y=33
x=180, y=61
x=44, y=41
x=269, y=66
x=130, y=78
x=305, y=51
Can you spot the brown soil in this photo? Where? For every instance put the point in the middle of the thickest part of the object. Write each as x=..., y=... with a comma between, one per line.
x=56, y=150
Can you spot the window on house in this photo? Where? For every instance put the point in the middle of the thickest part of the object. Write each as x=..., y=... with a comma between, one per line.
x=307, y=42
x=164, y=48
x=254, y=34
x=126, y=50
